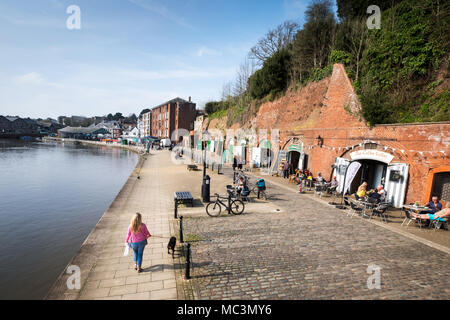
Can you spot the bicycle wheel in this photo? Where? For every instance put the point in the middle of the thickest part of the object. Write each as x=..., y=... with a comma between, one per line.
x=237, y=207
x=213, y=209
x=255, y=190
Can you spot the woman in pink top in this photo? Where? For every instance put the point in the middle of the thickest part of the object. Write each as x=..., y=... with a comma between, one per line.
x=137, y=238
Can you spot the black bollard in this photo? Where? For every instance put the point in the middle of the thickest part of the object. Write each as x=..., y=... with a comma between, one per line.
x=188, y=261
x=176, y=208
x=181, y=229
x=229, y=203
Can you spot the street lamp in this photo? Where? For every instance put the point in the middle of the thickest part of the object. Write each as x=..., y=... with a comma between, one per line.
x=206, y=180
x=319, y=141
x=205, y=138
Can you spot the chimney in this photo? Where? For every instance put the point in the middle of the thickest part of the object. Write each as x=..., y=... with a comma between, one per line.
x=189, y=99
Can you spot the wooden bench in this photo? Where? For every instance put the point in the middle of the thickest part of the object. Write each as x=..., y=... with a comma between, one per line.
x=191, y=167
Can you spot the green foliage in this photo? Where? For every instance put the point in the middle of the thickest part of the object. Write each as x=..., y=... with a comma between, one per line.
x=393, y=69
x=400, y=58
x=339, y=56
x=216, y=106
x=318, y=74
x=273, y=77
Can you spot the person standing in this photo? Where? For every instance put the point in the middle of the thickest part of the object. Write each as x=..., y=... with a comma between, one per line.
x=235, y=164
x=137, y=238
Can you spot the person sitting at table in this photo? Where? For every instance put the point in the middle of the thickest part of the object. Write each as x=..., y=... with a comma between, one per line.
x=444, y=213
x=379, y=194
x=362, y=190
x=434, y=204
x=320, y=178
x=333, y=185
x=241, y=185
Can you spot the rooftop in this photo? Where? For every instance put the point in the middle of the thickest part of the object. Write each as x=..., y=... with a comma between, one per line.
x=178, y=99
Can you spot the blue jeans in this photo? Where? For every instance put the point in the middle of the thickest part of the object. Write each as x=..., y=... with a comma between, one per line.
x=138, y=249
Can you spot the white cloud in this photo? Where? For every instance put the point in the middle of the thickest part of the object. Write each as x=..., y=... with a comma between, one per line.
x=29, y=78
x=204, y=51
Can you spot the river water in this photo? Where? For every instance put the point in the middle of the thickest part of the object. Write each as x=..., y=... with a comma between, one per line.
x=51, y=197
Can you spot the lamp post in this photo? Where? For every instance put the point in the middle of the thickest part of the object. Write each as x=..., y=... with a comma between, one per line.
x=206, y=179
x=319, y=141
x=205, y=139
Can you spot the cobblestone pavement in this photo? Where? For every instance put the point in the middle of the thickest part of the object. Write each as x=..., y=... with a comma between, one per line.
x=310, y=250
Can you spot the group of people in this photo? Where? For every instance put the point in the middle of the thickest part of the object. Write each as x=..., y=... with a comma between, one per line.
x=435, y=212
x=374, y=195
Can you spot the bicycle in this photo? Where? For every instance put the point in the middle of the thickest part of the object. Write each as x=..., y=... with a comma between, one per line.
x=214, y=209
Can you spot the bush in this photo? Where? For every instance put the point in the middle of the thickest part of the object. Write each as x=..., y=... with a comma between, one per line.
x=273, y=77
x=339, y=56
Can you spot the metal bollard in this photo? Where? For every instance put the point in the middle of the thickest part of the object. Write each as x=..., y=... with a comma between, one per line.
x=176, y=208
x=181, y=229
x=188, y=261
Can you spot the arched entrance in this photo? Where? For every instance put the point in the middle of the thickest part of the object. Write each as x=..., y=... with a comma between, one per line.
x=376, y=169
x=296, y=157
x=371, y=171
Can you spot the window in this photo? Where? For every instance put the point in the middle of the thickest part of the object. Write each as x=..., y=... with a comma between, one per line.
x=167, y=124
x=167, y=133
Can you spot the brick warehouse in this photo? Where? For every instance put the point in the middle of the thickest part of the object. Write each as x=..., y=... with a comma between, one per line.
x=320, y=130
x=172, y=115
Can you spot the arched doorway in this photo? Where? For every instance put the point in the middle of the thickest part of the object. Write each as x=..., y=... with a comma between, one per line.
x=296, y=157
x=371, y=171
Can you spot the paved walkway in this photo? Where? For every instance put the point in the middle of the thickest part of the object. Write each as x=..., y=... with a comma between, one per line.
x=112, y=276
x=310, y=250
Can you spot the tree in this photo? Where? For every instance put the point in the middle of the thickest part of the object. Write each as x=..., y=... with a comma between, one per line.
x=110, y=117
x=245, y=71
x=273, y=77
x=118, y=116
x=352, y=36
x=132, y=118
x=349, y=9
x=312, y=45
x=275, y=40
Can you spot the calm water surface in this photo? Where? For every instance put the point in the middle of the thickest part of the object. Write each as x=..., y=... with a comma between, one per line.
x=51, y=197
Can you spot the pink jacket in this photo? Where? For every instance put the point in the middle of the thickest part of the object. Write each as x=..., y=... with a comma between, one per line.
x=138, y=237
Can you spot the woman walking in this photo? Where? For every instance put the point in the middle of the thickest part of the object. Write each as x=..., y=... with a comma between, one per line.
x=137, y=238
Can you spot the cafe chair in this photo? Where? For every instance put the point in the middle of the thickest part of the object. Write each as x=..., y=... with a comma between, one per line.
x=355, y=209
x=380, y=211
x=436, y=225
x=409, y=218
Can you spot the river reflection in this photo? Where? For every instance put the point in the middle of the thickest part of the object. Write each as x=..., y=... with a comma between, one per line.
x=51, y=197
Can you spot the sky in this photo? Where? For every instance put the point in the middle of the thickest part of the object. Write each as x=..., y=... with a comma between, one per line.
x=128, y=54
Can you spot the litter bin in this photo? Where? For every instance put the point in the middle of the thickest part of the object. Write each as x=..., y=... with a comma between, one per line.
x=206, y=189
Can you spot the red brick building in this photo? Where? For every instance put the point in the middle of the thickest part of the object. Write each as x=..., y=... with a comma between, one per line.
x=410, y=160
x=172, y=115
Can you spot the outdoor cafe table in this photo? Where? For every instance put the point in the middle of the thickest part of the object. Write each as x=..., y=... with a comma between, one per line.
x=366, y=206
x=417, y=209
